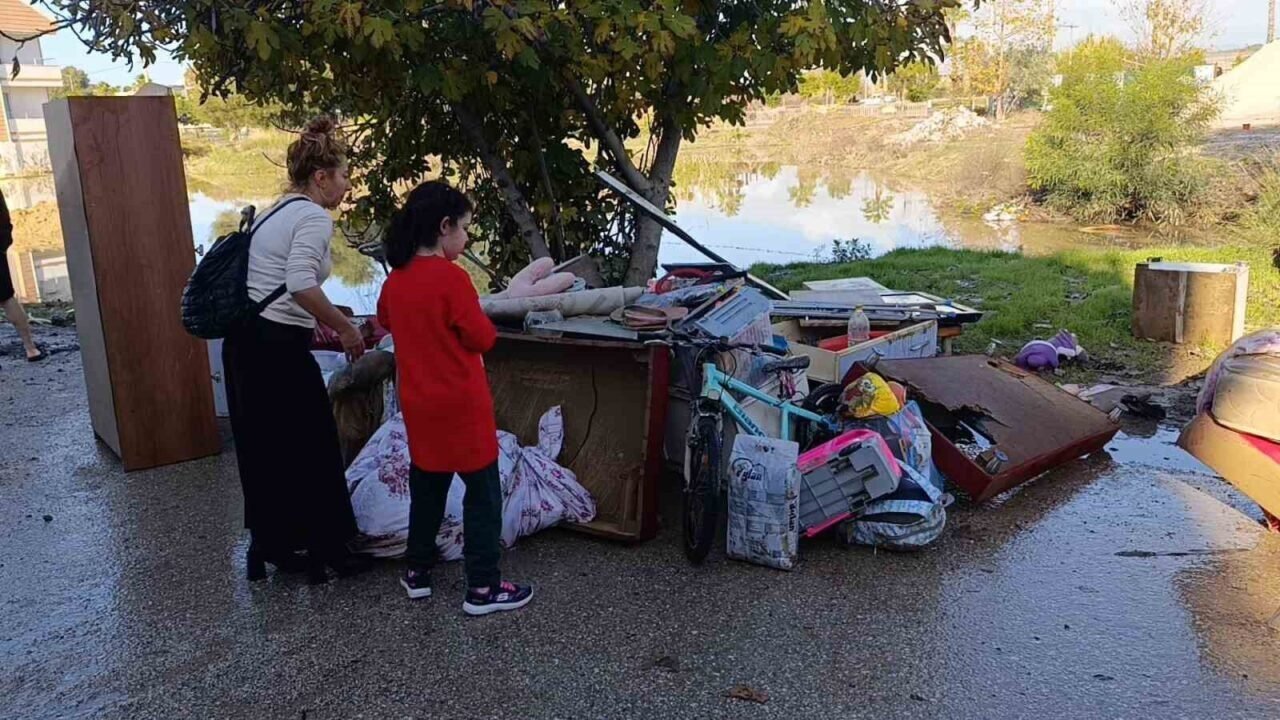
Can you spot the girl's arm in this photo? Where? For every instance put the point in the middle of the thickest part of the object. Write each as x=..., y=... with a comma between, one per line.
x=475, y=331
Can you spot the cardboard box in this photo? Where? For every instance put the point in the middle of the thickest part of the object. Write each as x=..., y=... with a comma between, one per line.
x=1237, y=458
x=915, y=341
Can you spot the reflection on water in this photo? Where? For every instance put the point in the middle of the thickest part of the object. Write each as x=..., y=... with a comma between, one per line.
x=749, y=213
x=779, y=214
x=41, y=275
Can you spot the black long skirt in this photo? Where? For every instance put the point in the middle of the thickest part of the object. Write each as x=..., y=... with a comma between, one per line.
x=295, y=491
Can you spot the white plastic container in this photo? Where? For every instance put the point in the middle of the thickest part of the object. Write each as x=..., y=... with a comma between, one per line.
x=859, y=327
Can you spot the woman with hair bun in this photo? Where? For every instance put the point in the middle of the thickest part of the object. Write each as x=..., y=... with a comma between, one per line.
x=295, y=492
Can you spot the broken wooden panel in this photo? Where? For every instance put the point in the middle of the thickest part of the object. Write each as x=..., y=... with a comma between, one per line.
x=614, y=397
x=1036, y=425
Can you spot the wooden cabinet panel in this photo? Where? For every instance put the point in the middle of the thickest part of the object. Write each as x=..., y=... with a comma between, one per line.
x=122, y=199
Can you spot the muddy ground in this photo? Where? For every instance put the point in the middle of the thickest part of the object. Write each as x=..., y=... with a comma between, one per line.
x=1130, y=584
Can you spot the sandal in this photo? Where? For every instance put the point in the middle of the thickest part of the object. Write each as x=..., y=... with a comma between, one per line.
x=40, y=355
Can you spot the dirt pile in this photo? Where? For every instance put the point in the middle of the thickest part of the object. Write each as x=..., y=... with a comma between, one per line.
x=37, y=228
x=943, y=126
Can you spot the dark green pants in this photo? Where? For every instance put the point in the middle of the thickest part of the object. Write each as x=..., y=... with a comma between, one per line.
x=481, y=521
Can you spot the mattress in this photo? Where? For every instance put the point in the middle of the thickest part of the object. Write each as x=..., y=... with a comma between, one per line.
x=1247, y=398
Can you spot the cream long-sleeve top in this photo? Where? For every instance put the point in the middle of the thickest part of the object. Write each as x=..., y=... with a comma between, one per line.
x=291, y=247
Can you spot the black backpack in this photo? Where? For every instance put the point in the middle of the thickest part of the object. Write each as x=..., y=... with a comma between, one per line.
x=216, y=299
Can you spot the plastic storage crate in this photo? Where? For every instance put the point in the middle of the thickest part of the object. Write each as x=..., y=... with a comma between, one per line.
x=839, y=478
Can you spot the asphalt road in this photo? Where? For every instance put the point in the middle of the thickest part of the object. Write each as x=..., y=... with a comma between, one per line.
x=1130, y=584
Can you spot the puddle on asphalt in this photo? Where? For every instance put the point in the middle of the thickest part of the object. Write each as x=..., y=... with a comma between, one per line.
x=1158, y=451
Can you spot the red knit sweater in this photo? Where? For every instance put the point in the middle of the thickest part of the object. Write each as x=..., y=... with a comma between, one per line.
x=440, y=332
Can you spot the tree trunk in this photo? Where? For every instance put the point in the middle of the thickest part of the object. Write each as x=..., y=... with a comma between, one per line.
x=644, y=251
x=512, y=197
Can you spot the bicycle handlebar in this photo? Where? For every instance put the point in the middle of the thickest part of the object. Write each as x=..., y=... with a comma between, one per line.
x=719, y=344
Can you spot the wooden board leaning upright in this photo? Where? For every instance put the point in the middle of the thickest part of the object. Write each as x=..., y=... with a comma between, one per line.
x=122, y=199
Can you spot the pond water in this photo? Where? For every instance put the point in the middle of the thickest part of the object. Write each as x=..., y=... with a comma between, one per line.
x=787, y=214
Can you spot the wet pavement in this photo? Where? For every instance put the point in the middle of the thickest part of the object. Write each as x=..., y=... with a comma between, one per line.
x=1129, y=584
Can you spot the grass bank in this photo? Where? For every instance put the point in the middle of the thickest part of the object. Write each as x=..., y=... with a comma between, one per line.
x=1086, y=291
x=250, y=167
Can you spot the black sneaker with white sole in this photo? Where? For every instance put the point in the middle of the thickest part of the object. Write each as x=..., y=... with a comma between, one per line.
x=417, y=583
x=505, y=596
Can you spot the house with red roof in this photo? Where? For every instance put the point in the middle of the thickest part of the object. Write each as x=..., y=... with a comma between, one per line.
x=24, y=145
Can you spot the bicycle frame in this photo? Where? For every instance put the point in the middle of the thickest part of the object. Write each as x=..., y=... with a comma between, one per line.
x=719, y=387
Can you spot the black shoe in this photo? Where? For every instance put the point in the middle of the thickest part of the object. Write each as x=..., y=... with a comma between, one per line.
x=343, y=563
x=417, y=583
x=500, y=598
x=256, y=560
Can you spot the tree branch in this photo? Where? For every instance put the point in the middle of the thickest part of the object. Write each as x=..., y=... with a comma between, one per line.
x=608, y=138
x=545, y=175
x=517, y=205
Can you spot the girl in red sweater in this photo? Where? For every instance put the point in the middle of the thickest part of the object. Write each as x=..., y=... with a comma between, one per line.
x=433, y=312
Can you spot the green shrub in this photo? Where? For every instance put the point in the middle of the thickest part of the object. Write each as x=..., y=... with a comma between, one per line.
x=1117, y=142
x=1263, y=216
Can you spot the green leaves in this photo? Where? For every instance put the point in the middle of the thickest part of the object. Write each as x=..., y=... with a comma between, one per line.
x=397, y=70
x=1116, y=142
x=380, y=31
x=262, y=38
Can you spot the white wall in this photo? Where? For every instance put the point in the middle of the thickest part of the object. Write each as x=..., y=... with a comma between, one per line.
x=26, y=103
x=29, y=54
x=24, y=157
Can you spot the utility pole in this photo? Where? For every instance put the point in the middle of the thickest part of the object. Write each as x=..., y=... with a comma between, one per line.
x=1271, y=22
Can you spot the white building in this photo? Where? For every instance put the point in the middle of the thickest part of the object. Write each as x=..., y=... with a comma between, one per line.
x=24, y=146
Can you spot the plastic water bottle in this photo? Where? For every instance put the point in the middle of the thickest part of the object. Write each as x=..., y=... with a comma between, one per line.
x=859, y=327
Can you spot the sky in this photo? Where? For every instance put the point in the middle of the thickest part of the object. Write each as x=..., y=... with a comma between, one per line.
x=1235, y=23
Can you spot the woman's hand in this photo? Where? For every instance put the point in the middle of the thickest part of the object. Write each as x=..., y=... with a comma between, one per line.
x=314, y=301
x=352, y=342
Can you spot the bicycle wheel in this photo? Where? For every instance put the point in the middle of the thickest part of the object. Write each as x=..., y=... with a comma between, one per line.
x=824, y=400
x=702, y=498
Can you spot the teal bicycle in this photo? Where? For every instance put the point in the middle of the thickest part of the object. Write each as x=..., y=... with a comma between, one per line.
x=715, y=397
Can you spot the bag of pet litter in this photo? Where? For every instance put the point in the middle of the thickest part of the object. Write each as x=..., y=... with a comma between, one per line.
x=764, y=501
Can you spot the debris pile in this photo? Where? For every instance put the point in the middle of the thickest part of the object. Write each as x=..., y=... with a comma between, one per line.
x=942, y=126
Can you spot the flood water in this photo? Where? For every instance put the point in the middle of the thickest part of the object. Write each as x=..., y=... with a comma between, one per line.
x=787, y=214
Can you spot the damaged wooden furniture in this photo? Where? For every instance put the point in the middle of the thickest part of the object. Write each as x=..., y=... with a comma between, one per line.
x=122, y=199
x=614, y=399
x=1036, y=425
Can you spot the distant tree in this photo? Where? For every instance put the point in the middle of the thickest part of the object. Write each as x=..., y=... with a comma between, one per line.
x=830, y=87
x=1167, y=29
x=915, y=81
x=138, y=81
x=1004, y=32
x=74, y=82
x=230, y=112
x=1030, y=77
